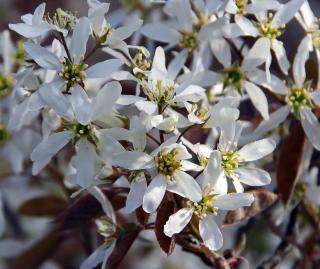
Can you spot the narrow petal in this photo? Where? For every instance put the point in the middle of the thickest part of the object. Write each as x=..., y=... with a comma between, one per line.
x=253, y=176
x=210, y=233
x=176, y=64
x=81, y=105
x=281, y=56
x=104, y=101
x=133, y=160
x=162, y=33
x=257, y=54
x=275, y=119
x=154, y=193
x=178, y=221
x=258, y=98
x=51, y=145
x=96, y=257
x=311, y=126
x=104, y=69
x=186, y=186
x=78, y=44
x=233, y=201
x=42, y=56
x=257, y=150
x=135, y=195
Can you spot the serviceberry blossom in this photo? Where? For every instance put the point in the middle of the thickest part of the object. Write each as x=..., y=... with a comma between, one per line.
x=155, y=125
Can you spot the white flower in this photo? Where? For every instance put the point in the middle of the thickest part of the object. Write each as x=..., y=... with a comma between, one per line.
x=168, y=164
x=67, y=86
x=268, y=29
x=300, y=99
x=206, y=208
x=77, y=130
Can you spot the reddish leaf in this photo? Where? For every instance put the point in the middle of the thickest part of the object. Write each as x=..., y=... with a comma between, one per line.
x=142, y=216
x=43, y=206
x=39, y=252
x=166, y=243
x=289, y=163
x=86, y=208
x=123, y=244
x=263, y=199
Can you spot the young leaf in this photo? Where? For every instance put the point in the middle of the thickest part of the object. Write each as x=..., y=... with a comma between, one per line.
x=44, y=206
x=166, y=243
x=289, y=163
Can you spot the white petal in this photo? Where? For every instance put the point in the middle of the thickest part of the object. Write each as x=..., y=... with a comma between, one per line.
x=232, y=201
x=52, y=95
x=287, y=12
x=212, y=172
x=281, y=56
x=257, y=150
x=275, y=119
x=135, y=195
x=311, y=126
x=159, y=64
x=253, y=176
x=51, y=145
x=192, y=93
x=81, y=104
x=258, y=98
x=42, y=56
x=176, y=64
x=210, y=233
x=162, y=33
x=257, y=54
x=126, y=31
x=178, y=221
x=221, y=50
x=80, y=36
x=104, y=101
x=146, y=106
x=133, y=160
x=154, y=193
x=247, y=26
x=104, y=69
x=299, y=64
x=96, y=15
x=315, y=95
x=29, y=31
x=96, y=257
x=85, y=162
x=185, y=185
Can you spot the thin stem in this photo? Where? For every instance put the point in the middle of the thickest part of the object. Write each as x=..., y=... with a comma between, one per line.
x=96, y=47
x=153, y=139
x=63, y=42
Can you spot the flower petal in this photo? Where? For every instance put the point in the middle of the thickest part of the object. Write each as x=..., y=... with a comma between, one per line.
x=257, y=150
x=233, y=201
x=161, y=32
x=311, y=126
x=135, y=195
x=253, y=176
x=133, y=160
x=210, y=233
x=185, y=185
x=178, y=221
x=154, y=193
x=104, y=69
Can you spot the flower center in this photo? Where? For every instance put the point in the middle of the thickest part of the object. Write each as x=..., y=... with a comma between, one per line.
x=241, y=5
x=72, y=73
x=162, y=95
x=62, y=19
x=6, y=84
x=104, y=35
x=142, y=62
x=298, y=98
x=189, y=41
x=233, y=77
x=4, y=134
x=166, y=163
x=267, y=29
x=204, y=207
x=107, y=229
x=19, y=55
x=229, y=161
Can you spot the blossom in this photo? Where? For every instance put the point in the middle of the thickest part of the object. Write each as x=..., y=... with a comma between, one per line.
x=205, y=209
x=169, y=163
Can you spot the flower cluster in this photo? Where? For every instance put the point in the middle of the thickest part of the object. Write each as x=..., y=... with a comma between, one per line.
x=164, y=122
